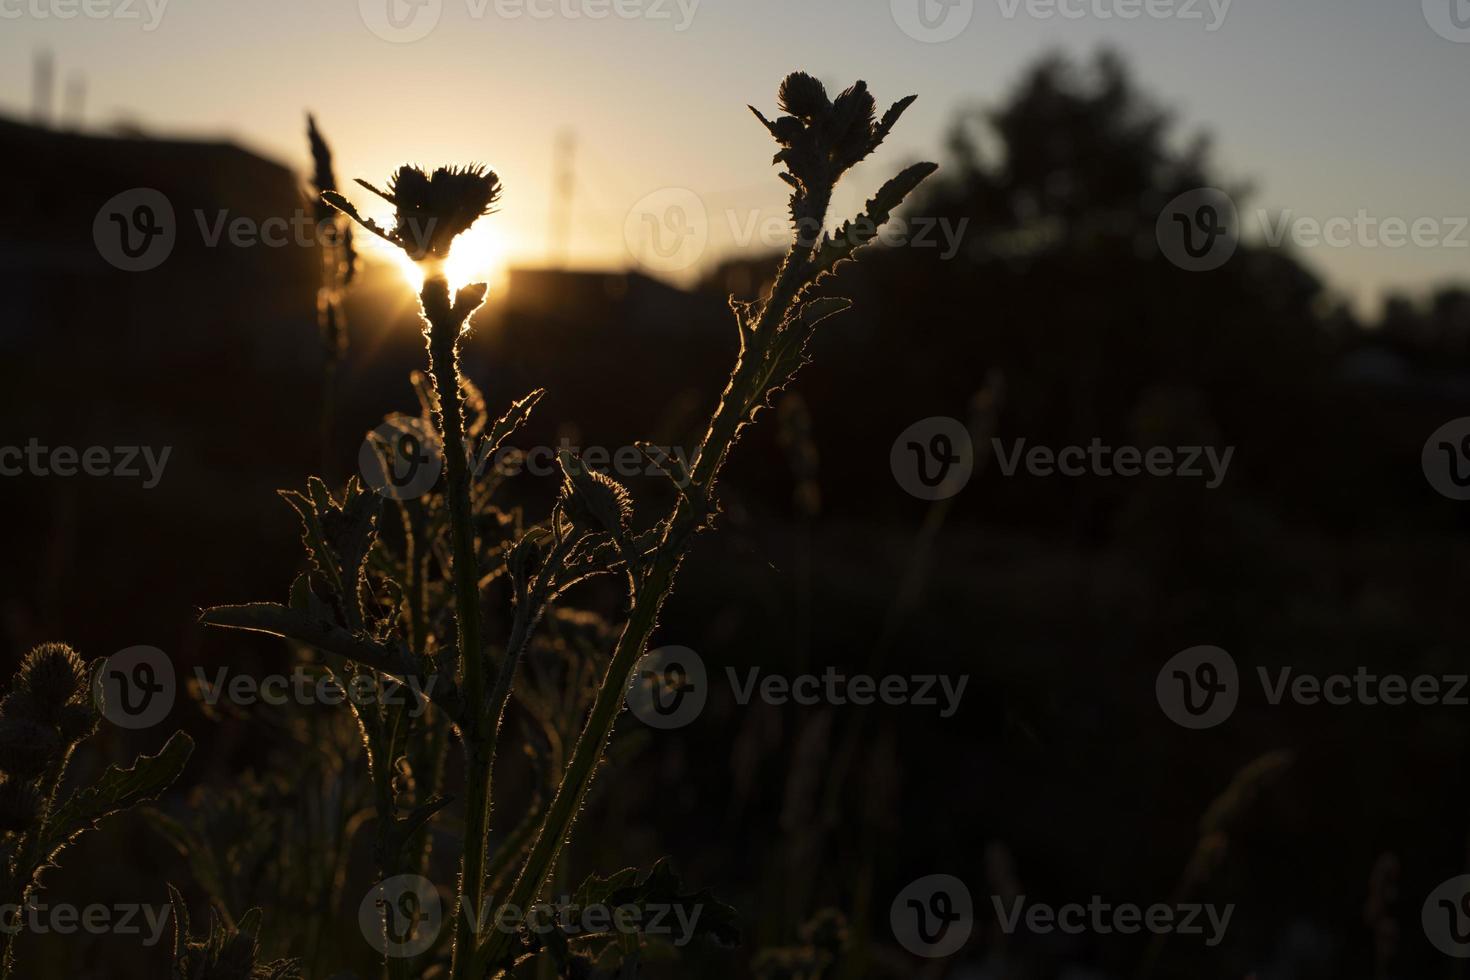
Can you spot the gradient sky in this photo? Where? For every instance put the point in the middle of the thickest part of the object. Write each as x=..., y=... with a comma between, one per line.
x=1328, y=106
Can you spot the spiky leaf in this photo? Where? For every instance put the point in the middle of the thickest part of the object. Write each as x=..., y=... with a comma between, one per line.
x=117, y=790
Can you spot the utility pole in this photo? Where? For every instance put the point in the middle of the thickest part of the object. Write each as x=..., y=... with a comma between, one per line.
x=42, y=82
x=562, y=184
x=73, y=102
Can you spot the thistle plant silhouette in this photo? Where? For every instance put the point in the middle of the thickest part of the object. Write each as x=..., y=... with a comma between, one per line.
x=384, y=606
x=50, y=710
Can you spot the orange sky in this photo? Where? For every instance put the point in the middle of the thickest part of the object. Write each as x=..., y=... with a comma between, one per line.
x=1331, y=107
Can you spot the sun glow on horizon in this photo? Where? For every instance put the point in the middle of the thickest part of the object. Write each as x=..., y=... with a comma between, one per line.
x=478, y=255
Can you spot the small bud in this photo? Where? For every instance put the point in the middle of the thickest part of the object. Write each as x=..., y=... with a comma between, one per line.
x=53, y=674
x=20, y=805
x=820, y=139
x=594, y=501
x=27, y=748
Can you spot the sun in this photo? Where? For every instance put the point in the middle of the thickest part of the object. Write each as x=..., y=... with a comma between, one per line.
x=478, y=255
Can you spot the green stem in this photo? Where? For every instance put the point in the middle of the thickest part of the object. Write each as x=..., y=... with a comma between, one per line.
x=445, y=323
x=29, y=861
x=745, y=391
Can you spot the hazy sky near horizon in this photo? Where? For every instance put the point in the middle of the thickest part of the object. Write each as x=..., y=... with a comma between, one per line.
x=1329, y=108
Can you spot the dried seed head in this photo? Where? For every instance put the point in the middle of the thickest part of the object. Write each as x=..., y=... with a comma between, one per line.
x=430, y=209
x=20, y=804
x=594, y=501
x=52, y=674
x=27, y=748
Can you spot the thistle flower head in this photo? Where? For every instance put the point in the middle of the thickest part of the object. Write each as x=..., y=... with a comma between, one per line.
x=430, y=209
x=820, y=138
x=594, y=501
x=52, y=674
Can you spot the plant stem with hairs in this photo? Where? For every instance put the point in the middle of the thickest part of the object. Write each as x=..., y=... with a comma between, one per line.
x=445, y=326
x=589, y=532
x=820, y=140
